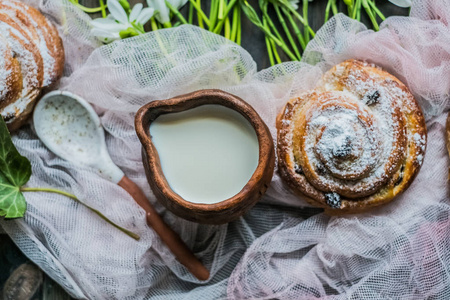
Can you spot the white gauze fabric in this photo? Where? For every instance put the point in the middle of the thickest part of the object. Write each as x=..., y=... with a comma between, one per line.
x=281, y=249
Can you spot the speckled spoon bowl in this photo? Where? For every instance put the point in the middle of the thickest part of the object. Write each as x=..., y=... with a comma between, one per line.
x=70, y=128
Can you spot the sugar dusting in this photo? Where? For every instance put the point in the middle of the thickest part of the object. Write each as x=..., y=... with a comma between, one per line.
x=345, y=146
x=345, y=152
x=38, y=38
x=29, y=69
x=5, y=72
x=27, y=39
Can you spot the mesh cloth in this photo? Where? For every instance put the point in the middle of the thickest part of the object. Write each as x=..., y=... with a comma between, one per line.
x=281, y=249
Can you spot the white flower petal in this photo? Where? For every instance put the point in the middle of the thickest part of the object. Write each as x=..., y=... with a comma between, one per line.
x=401, y=3
x=104, y=33
x=135, y=12
x=117, y=11
x=177, y=3
x=145, y=15
x=110, y=17
x=294, y=3
x=161, y=10
x=107, y=24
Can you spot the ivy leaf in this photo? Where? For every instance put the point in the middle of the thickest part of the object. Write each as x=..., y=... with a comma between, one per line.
x=15, y=171
x=12, y=202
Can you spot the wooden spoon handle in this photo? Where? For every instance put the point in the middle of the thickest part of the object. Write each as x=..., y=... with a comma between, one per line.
x=167, y=235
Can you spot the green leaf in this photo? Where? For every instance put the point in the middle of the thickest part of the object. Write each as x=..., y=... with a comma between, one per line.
x=125, y=5
x=12, y=202
x=15, y=171
x=15, y=167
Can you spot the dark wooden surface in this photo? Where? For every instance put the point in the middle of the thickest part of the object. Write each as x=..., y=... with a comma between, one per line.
x=253, y=42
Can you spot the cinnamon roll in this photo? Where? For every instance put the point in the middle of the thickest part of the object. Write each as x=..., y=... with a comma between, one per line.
x=356, y=141
x=31, y=57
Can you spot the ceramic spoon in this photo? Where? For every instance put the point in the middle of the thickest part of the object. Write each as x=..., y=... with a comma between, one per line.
x=71, y=129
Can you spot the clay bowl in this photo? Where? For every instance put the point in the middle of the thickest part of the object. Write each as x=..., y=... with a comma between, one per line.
x=224, y=211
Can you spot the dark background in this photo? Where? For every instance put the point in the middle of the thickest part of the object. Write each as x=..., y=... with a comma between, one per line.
x=253, y=41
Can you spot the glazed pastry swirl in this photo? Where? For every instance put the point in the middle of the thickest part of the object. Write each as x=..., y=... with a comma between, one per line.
x=357, y=140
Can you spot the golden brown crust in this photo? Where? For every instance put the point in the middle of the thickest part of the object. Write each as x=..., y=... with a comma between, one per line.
x=31, y=67
x=355, y=142
x=10, y=75
x=37, y=59
x=44, y=34
x=21, y=118
x=57, y=51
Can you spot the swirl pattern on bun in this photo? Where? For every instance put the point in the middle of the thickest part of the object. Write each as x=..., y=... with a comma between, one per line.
x=356, y=141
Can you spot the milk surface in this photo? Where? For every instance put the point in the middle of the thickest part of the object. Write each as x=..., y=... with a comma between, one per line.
x=207, y=154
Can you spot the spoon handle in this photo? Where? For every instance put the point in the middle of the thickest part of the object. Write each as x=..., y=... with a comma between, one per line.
x=173, y=241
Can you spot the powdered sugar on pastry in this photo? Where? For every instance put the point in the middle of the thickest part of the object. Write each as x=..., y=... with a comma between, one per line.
x=356, y=140
x=5, y=70
x=30, y=64
x=37, y=32
x=31, y=58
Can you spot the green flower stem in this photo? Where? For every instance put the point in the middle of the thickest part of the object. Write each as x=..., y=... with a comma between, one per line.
x=371, y=15
x=334, y=7
x=103, y=6
x=358, y=12
x=269, y=51
x=234, y=26
x=204, y=18
x=279, y=39
x=88, y=10
x=376, y=10
x=199, y=15
x=269, y=22
x=191, y=14
x=253, y=17
x=239, y=26
x=327, y=11
x=219, y=26
x=355, y=10
x=221, y=14
x=167, y=25
x=139, y=28
x=349, y=4
x=268, y=44
x=213, y=14
x=275, y=52
x=305, y=17
x=73, y=197
x=287, y=31
x=350, y=10
x=271, y=47
x=296, y=29
x=227, y=28
x=176, y=12
x=301, y=19
x=153, y=24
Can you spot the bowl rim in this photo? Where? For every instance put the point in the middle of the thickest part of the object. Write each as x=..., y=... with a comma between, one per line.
x=149, y=112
